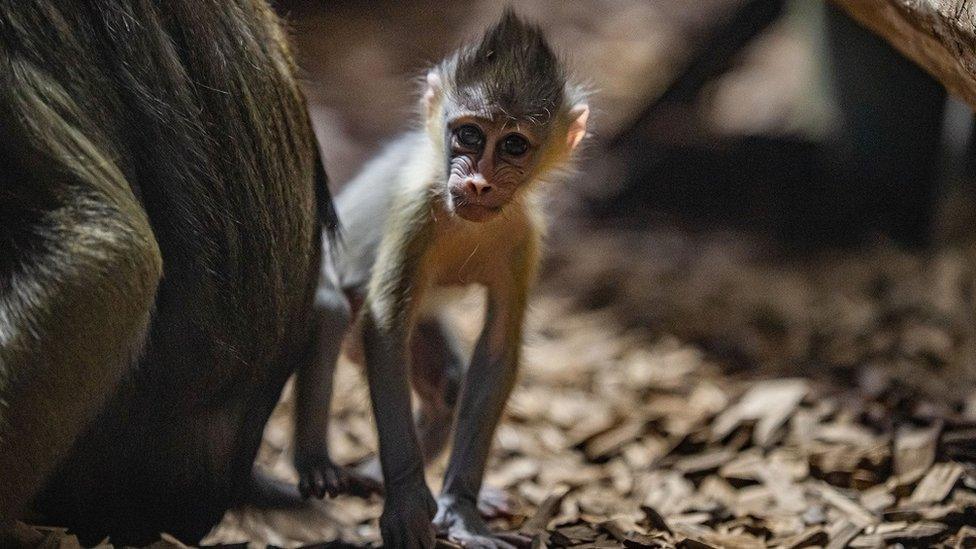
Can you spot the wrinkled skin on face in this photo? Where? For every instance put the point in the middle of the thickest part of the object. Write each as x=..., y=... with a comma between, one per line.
x=489, y=159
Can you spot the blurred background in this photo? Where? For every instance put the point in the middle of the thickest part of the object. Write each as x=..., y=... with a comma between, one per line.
x=764, y=263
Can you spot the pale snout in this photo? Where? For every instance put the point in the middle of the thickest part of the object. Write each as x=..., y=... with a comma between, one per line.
x=477, y=186
x=474, y=198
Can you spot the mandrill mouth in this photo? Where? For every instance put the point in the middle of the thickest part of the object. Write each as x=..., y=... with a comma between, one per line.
x=476, y=212
x=466, y=209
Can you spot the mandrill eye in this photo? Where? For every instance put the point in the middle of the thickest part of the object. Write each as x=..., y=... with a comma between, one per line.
x=515, y=145
x=469, y=136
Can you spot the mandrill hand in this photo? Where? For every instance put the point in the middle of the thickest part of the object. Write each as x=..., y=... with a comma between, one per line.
x=407, y=513
x=459, y=520
x=319, y=475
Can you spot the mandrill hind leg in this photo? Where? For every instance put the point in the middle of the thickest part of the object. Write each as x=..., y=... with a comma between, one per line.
x=79, y=269
x=436, y=371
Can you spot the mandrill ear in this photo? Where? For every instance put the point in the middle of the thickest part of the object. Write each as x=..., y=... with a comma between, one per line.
x=433, y=92
x=577, y=125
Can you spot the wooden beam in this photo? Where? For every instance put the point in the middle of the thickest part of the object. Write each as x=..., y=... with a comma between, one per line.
x=939, y=35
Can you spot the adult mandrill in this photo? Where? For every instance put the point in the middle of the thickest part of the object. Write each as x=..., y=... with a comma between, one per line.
x=159, y=251
x=451, y=204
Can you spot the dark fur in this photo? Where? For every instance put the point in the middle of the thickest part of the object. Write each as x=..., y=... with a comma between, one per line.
x=188, y=106
x=525, y=81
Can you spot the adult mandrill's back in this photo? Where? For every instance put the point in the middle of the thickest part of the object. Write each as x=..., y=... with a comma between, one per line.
x=188, y=110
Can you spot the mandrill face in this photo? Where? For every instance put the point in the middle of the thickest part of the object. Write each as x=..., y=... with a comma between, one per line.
x=488, y=161
x=514, y=111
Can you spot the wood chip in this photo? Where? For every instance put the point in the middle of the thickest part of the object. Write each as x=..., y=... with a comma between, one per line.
x=604, y=444
x=852, y=510
x=654, y=519
x=771, y=403
x=914, y=451
x=916, y=534
x=703, y=462
x=546, y=511
x=815, y=536
x=877, y=498
x=966, y=538
x=842, y=533
x=788, y=495
x=937, y=483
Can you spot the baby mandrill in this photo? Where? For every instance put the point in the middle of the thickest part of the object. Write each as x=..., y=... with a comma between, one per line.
x=453, y=203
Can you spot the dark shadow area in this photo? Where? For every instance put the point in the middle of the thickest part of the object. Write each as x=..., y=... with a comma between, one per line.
x=876, y=174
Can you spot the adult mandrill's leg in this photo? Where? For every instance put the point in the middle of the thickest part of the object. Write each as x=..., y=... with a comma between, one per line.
x=79, y=268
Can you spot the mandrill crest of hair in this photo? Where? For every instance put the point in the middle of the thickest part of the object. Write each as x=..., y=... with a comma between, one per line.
x=512, y=68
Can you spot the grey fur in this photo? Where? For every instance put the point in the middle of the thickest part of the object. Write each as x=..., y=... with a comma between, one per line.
x=512, y=68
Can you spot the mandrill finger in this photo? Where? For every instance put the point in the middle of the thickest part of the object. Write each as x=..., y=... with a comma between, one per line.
x=304, y=487
x=363, y=487
x=318, y=484
x=334, y=483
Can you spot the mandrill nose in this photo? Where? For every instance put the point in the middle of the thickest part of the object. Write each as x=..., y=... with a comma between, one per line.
x=478, y=186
